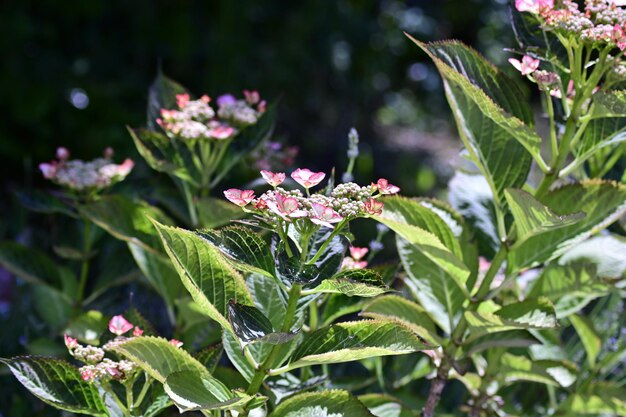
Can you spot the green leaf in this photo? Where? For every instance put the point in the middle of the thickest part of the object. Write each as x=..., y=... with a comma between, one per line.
x=528, y=314
x=607, y=253
x=158, y=357
x=43, y=202
x=353, y=282
x=610, y=103
x=592, y=342
x=599, y=134
x=162, y=95
x=157, y=150
x=210, y=356
x=158, y=271
x=246, y=249
x=158, y=405
x=208, y=277
x=58, y=384
x=592, y=405
x=603, y=202
x=87, y=327
x=322, y=404
x=569, y=287
x=52, y=305
x=30, y=265
x=250, y=325
x=350, y=341
x=339, y=305
x=268, y=297
x=492, y=114
x=410, y=314
x=508, y=339
x=288, y=384
x=191, y=390
x=514, y=368
x=532, y=217
x=215, y=212
x=124, y=219
x=382, y=405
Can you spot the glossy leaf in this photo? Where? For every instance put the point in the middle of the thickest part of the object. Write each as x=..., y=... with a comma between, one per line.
x=353, y=282
x=514, y=368
x=410, y=314
x=569, y=287
x=246, y=249
x=162, y=95
x=532, y=217
x=606, y=252
x=528, y=314
x=611, y=104
x=216, y=212
x=158, y=357
x=382, y=405
x=322, y=404
x=603, y=202
x=591, y=340
x=250, y=325
x=210, y=280
x=192, y=390
x=58, y=384
x=492, y=114
x=350, y=341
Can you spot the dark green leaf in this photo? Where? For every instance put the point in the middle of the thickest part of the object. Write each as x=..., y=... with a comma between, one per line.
x=589, y=337
x=210, y=356
x=30, y=264
x=43, y=202
x=215, y=212
x=353, y=282
x=250, y=325
x=162, y=95
x=58, y=384
x=322, y=404
x=192, y=390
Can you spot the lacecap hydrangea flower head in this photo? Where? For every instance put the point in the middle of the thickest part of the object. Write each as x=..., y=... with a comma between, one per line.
x=85, y=176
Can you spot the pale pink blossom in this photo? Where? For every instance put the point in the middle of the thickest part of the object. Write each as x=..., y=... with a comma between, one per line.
x=571, y=92
x=182, y=100
x=137, y=331
x=63, y=154
x=48, y=170
x=619, y=37
x=222, y=132
x=526, y=66
x=358, y=253
x=70, y=342
x=374, y=207
x=307, y=178
x=252, y=96
x=114, y=371
x=533, y=6
x=285, y=206
x=88, y=374
x=125, y=167
x=273, y=178
x=385, y=188
x=176, y=343
x=262, y=106
x=119, y=325
x=239, y=197
x=349, y=263
x=324, y=216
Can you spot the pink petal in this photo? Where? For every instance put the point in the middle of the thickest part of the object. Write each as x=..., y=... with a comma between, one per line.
x=119, y=325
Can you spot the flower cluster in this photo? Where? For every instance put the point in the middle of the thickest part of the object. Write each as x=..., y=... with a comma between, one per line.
x=355, y=260
x=273, y=155
x=602, y=22
x=97, y=367
x=196, y=119
x=85, y=176
x=345, y=202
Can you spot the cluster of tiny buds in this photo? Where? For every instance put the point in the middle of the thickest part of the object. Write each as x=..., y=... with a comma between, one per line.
x=78, y=175
x=546, y=80
x=97, y=367
x=196, y=119
x=355, y=260
x=602, y=22
x=346, y=201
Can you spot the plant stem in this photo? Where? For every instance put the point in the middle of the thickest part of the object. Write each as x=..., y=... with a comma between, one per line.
x=437, y=386
x=496, y=262
x=191, y=207
x=143, y=392
x=84, y=270
x=327, y=242
x=261, y=372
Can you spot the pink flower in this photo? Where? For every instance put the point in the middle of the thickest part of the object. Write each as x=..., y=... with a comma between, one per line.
x=70, y=342
x=273, y=178
x=374, y=207
x=324, y=216
x=307, y=178
x=87, y=374
x=285, y=206
x=114, y=372
x=125, y=167
x=119, y=325
x=252, y=96
x=63, y=154
x=137, y=331
x=533, y=6
x=48, y=170
x=358, y=253
x=260, y=204
x=176, y=343
x=206, y=99
x=262, y=106
x=528, y=65
x=239, y=197
x=385, y=188
x=182, y=100
x=108, y=152
x=349, y=263
x=619, y=37
x=571, y=92
x=222, y=132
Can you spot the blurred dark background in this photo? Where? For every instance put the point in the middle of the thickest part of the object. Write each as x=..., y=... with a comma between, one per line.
x=74, y=73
